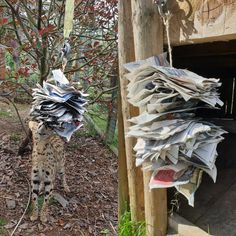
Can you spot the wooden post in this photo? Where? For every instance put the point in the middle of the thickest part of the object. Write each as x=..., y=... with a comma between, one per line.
x=123, y=193
x=148, y=41
x=126, y=54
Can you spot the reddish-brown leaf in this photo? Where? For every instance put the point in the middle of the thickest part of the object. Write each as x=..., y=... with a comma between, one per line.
x=47, y=30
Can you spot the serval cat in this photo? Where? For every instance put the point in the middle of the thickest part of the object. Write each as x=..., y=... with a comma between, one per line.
x=47, y=160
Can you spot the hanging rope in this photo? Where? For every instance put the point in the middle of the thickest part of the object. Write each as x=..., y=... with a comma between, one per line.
x=65, y=51
x=166, y=16
x=68, y=26
x=166, y=21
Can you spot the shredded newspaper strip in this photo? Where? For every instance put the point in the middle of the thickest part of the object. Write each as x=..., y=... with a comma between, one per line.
x=177, y=145
x=59, y=106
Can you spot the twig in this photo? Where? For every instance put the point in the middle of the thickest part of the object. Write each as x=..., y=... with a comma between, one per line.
x=103, y=92
x=40, y=9
x=93, y=85
x=92, y=59
x=113, y=228
x=18, y=114
x=9, y=198
x=28, y=203
x=81, y=232
x=26, y=90
x=24, y=143
x=166, y=21
x=14, y=12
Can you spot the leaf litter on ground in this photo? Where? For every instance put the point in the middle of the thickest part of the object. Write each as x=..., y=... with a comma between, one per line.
x=92, y=176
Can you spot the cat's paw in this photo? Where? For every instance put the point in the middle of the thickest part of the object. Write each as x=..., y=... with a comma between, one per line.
x=43, y=218
x=34, y=216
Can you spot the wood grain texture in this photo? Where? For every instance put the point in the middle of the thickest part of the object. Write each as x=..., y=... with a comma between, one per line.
x=123, y=189
x=126, y=54
x=199, y=21
x=148, y=41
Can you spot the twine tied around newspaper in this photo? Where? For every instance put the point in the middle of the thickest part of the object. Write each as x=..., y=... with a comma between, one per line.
x=166, y=16
x=64, y=54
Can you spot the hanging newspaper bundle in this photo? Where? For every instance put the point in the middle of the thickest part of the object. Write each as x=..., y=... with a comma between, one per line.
x=177, y=145
x=59, y=106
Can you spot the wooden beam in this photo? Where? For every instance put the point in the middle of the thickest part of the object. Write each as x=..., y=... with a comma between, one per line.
x=184, y=227
x=123, y=193
x=126, y=54
x=148, y=41
x=213, y=62
x=205, y=50
x=202, y=21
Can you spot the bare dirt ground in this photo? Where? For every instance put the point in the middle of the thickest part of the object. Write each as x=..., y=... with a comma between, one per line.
x=92, y=177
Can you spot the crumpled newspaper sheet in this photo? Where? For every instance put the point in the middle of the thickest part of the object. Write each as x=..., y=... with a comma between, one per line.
x=60, y=107
x=177, y=145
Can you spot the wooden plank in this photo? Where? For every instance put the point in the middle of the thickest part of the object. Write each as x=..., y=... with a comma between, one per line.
x=209, y=193
x=148, y=41
x=126, y=54
x=123, y=193
x=224, y=209
x=212, y=62
x=205, y=50
x=184, y=227
x=202, y=21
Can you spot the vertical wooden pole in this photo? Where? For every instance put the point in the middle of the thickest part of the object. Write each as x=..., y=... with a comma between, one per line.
x=123, y=190
x=126, y=54
x=148, y=41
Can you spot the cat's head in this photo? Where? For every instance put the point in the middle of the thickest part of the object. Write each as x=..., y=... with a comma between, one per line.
x=40, y=130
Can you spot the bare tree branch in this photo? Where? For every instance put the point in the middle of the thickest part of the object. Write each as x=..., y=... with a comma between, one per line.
x=40, y=8
x=101, y=93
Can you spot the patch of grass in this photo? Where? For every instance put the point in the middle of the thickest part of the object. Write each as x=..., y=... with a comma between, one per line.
x=73, y=146
x=40, y=202
x=129, y=228
x=99, y=116
x=105, y=231
x=30, y=208
x=2, y=222
x=91, y=130
x=52, y=201
x=100, y=122
x=2, y=230
x=87, y=131
x=114, y=142
x=5, y=114
x=15, y=137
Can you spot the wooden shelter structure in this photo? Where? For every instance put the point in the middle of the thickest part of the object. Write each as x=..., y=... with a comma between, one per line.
x=203, y=39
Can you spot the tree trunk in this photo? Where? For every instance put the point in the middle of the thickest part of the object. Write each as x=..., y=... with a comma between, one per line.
x=44, y=50
x=112, y=111
x=2, y=64
x=43, y=61
x=126, y=54
x=148, y=41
